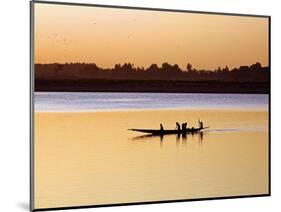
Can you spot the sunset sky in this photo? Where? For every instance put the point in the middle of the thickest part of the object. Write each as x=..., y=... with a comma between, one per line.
x=108, y=36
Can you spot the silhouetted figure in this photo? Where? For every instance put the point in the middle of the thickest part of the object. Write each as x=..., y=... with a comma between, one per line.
x=184, y=126
x=200, y=123
x=161, y=127
x=178, y=126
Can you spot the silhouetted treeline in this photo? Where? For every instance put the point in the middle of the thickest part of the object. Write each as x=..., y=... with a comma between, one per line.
x=127, y=71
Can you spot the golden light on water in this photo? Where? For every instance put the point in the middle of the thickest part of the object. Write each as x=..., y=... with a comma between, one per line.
x=80, y=159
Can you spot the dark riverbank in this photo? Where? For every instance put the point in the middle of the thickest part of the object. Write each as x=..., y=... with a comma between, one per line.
x=163, y=86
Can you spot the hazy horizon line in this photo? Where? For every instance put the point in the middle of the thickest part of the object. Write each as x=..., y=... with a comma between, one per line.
x=146, y=67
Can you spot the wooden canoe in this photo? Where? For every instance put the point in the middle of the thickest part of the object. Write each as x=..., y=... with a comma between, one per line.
x=167, y=132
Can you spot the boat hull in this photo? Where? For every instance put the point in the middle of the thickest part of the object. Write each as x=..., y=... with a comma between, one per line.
x=167, y=132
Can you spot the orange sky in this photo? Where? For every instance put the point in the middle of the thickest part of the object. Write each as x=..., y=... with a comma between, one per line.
x=107, y=36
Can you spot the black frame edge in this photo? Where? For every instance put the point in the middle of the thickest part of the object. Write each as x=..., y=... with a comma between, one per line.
x=269, y=106
x=31, y=105
x=147, y=8
x=151, y=202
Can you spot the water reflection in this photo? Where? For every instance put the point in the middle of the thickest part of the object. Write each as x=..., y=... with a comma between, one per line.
x=179, y=138
x=201, y=137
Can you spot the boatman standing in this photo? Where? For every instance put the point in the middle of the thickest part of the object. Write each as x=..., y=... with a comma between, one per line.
x=184, y=126
x=200, y=124
x=161, y=127
x=178, y=126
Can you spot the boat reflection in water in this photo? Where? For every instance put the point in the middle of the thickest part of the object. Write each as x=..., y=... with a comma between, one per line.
x=178, y=137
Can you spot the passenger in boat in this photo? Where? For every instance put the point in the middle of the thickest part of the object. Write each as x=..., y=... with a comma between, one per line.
x=178, y=126
x=184, y=126
x=161, y=127
x=200, y=124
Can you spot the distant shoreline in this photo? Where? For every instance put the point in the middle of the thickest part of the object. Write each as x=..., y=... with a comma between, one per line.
x=149, y=86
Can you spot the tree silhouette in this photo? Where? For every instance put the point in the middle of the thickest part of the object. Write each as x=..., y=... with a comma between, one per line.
x=189, y=67
x=153, y=68
x=77, y=71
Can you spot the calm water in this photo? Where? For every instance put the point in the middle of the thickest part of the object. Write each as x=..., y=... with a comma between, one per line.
x=85, y=154
x=70, y=101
